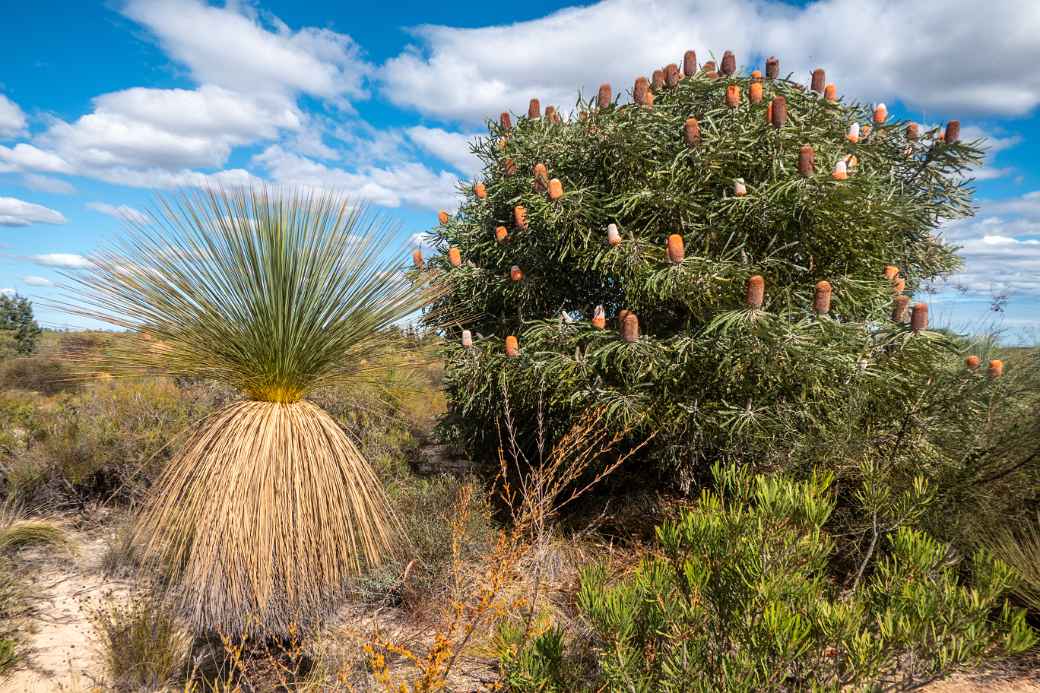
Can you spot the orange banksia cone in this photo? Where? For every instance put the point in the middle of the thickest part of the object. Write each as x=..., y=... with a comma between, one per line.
x=778, y=115
x=756, y=75
x=996, y=369
x=417, y=259
x=953, y=131
x=630, y=328
x=819, y=79
x=443, y=217
x=891, y=272
x=733, y=96
x=657, y=79
x=516, y=274
x=676, y=251
x=772, y=68
x=822, y=299
x=806, y=160
x=898, y=285
x=534, y=109
x=541, y=177
x=613, y=237
x=755, y=92
x=880, y=114
x=599, y=318
x=919, y=317
x=729, y=63
x=505, y=121
x=972, y=362
x=709, y=70
x=672, y=75
x=512, y=347
x=480, y=191
x=454, y=257
x=467, y=339
x=841, y=171
x=501, y=234
x=510, y=167
x=641, y=91
x=689, y=63
x=520, y=216
x=756, y=291
x=853, y=133
x=830, y=92
x=550, y=113
x=692, y=132
x=604, y=98
x=555, y=189
x=913, y=131
x=900, y=308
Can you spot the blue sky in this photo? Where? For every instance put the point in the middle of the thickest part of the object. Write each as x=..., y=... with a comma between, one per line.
x=103, y=105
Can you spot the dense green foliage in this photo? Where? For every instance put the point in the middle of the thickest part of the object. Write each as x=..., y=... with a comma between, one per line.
x=18, y=328
x=740, y=597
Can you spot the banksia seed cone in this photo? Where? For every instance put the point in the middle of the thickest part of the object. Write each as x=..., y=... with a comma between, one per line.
x=613, y=237
x=729, y=63
x=772, y=68
x=919, y=317
x=806, y=160
x=417, y=259
x=692, y=132
x=630, y=328
x=676, y=251
x=443, y=217
x=501, y=234
x=755, y=92
x=505, y=121
x=480, y=191
x=555, y=189
x=891, y=272
x=819, y=78
x=512, y=347
x=739, y=189
x=599, y=318
x=841, y=171
x=953, y=131
x=604, y=98
x=520, y=216
x=972, y=362
x=830, y=92
x=779, y=113
x=550, y=113
x=913, y=131
x=454, y=257
x=709, y=70
x=516, y=274
x=900, y=305
x=898, y=285
x=467, y=339
x=733, y=96
x=880, y=113
x=822, y=300
x=689, y=63
x=853, y=134
x=640, y=91
x=534, y=109
x=996, y=369
x=672, y=75
x=541, y=177
x=756, y=291
x=657, y=79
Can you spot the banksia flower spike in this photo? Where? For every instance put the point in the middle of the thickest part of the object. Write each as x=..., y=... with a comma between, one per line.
x=510, y=167
x=900, y=307
x=689, y=63
x=891, y=272
x=919, y=317
x=841, y=171
x=972, y=362
x=657, y=79
x=676, y=251
x=822, y=300
x=864, y=132
x=550, y=114
x=640, y=91
x=709, y=70
x=534, y=109
x=613, y=237
x=501, y=234
x=622, y=314
x=996, y=369
x=604, y=98
x=739, y=189
x=454, y=257
x=467, y=339
x=755, y=92
x=443, y=217
x=505, y=121
x=819, y=79
x=898, y=285
x=772, y=68
x=880, y=114
x=729, y=63
x=512, y=347
x=853, y=133
x=756, y=75
x=480, y=191
x=541, y=177
x=778, y=116
x=806, y=160
x=417, y=259
x=913, y=131
x=672, y=76
x=733, y=96
x=830, y=92
x=756, y=291
x=953, y=131
x=630, y=328
x=555, y=189
x=692, y=132
x=516, y=274
x=599, y=318
x=520, y=216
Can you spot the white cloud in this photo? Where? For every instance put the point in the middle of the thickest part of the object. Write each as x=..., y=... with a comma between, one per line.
x=409, y=183
x=12, y=120
x=872, y=49
x=15, y=212
x=450, y=147
x=65, y=260
x=8, y=292
x=48, y=184
x=122, y=212
x=26, y=157
x=33, y=280
x=230, y=47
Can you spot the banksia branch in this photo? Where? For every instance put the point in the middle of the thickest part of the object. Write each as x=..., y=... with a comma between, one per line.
x=534, y=109
x=900, y=308
x=516, y=274
x=604, y=98
x=972, y=362
x=822, y=299
x=555, y=189
x=454, y=257
x=778, y=115
x=520, y=216
x=819, y=79
x=995, y=369
x=676, y=251
x=756, y=291
x=689, y=63
x=512, y=347
x=692, y=132
x=417, y=259
x=806, y=160
x=613, y=237
x=599, y=318
x=630, y=328
x=919, y=317
x=729, y=63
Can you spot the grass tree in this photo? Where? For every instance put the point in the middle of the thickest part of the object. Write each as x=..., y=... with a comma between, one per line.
x=268, y=508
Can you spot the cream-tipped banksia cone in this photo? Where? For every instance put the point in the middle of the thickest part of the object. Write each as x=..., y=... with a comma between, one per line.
x=599, y=318
x=467, y=339
x=630, y=328
x=613, y=235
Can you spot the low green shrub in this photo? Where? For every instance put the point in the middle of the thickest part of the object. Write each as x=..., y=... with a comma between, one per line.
x=12, y=613
x=740, y=597
x=44, y=374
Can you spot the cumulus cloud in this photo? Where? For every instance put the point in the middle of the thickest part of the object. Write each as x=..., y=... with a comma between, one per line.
x=450, y=147
x=33, y=280
x=63, y=260
x=12, y=120
x=26, y=157
x=121, y=212
x=871, y=48
x=15, y=212
x=48, y=184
